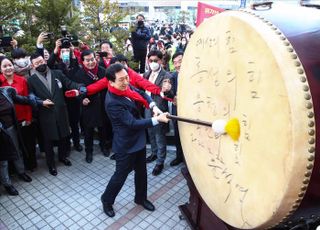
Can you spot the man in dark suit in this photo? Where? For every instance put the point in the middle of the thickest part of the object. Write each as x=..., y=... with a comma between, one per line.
x=157, y=135
x=129, y=140
x=177, y=60
x=54, y=125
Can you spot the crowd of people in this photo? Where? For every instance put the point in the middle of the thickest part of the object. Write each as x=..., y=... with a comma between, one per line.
x=46, y=99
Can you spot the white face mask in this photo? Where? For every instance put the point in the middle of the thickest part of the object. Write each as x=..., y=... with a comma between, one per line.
x=154, y=66
x=23, y=62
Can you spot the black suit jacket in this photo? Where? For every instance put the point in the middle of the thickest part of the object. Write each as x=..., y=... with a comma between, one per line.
x=128, y=126
x=93, y=114
x=161, y=103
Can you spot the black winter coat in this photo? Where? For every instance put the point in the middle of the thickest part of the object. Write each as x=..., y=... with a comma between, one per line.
x=93, y=115
x=54, y=120
x=140, y=38
x=7, y=150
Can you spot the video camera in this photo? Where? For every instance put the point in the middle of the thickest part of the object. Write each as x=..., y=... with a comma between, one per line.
x=5, y=41
x=68, y=39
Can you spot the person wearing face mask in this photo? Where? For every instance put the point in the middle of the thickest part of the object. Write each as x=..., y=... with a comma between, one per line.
x=23, y=112
x=21, y=61
x=182, y=45
x=11, y=117
x=64, y=59
x=54, y=124
x=157, y=135
x=140, y=37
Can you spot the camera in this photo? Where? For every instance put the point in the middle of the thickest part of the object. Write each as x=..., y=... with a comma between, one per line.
x=50, y=35
x=65, y=42
x=5, y=41
x=103, y=54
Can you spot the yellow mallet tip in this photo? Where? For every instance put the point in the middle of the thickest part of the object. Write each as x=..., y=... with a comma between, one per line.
x=233, y=129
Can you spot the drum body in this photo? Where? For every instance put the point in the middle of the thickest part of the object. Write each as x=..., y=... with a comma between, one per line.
x=262, y=67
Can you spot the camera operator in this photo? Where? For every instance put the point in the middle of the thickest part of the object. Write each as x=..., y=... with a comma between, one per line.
x=64, y=59
x=140, y=35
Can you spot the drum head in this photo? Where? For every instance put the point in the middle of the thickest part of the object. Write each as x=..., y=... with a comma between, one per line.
x=240, y=66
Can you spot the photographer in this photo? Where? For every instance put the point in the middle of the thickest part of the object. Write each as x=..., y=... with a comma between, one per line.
x=43, y=37
x=140, y=35
x=6, y=42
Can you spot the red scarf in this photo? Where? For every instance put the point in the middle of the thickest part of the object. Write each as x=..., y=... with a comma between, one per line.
x=92, y=73
x=106, y=62
x=133, y=95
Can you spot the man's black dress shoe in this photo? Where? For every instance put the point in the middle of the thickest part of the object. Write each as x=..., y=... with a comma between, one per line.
x=78, y=147
x=25, y=177
x=157, y=170
x=89, y=157
x=105, y=151
x=175, y=162
x=113, y=157
x=66, y=162
x=11, y=190
x=147, y=205
x=108, y=209
x=53, y=171
x=151, y=158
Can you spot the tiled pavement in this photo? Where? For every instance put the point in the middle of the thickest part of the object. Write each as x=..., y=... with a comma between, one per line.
x=71, y=200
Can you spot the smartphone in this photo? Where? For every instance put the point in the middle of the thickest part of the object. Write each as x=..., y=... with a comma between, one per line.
x=5, y=41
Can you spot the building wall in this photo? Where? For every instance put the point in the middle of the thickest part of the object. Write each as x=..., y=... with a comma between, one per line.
x=168, y=10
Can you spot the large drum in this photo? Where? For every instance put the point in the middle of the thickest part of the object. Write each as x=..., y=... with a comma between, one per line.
x=262, y=67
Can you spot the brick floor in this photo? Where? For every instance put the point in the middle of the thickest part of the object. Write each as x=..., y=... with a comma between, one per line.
x=71, y=200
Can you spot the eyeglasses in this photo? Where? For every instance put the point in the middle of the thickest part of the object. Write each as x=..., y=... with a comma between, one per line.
x=153, y=60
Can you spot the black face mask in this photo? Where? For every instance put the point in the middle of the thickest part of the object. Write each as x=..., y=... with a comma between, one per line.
x=42, y=68
x=140, y=23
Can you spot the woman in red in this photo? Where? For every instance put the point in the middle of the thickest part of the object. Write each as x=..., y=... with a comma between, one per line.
x=24, y=117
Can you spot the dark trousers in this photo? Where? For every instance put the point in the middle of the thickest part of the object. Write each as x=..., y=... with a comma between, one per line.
x=88, y=138
x=73, y=106
x=125, y=163
x=179, y=152
x=140, y=58
x=48, y=148
x=28, y=134
x=39, y=135
x=109, y=133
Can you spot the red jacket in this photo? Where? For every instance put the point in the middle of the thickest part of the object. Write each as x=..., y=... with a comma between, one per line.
x=136, y=80
x=23, y=112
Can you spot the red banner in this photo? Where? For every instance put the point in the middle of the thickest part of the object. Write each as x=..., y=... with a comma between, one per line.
x=206, y=11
